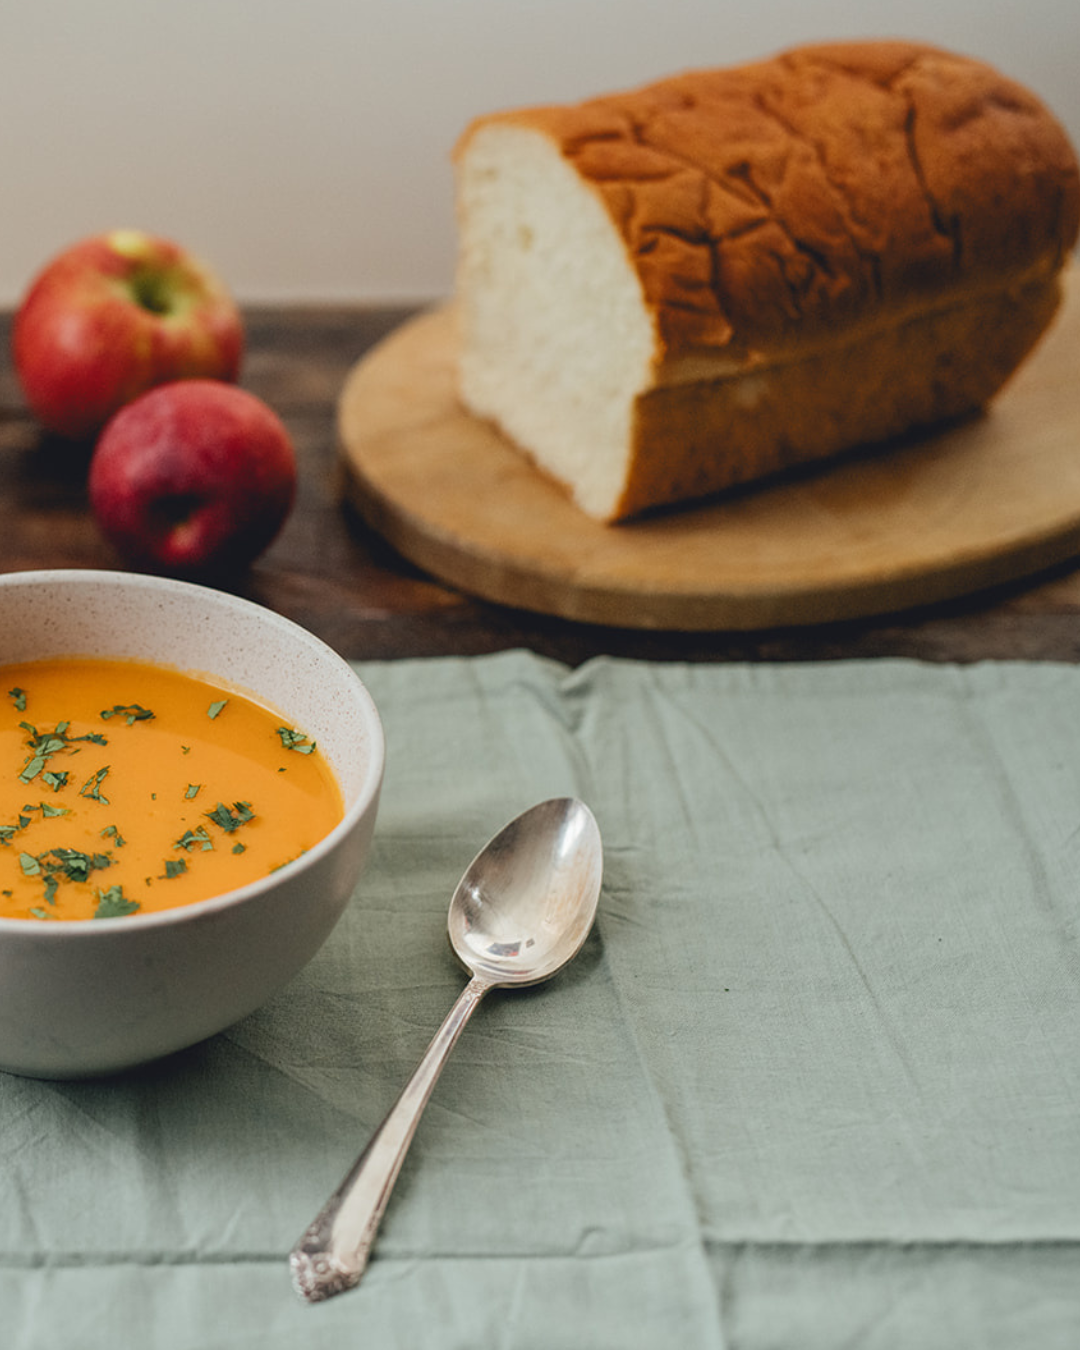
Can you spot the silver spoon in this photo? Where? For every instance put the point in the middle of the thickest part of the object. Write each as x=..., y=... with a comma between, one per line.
x=523, y=908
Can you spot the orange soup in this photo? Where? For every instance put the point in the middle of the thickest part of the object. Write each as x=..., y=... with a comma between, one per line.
x=127, y=788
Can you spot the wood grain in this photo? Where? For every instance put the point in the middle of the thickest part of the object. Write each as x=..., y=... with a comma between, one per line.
x=987, y=501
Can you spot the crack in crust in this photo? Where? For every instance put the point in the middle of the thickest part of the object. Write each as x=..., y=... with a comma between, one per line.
x=767, y=203
x=947, y=227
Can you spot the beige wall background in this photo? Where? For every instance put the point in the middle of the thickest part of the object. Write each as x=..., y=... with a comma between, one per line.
x=302, y=148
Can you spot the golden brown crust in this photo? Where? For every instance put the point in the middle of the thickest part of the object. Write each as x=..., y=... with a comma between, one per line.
x=692, y=440
x=767, y=205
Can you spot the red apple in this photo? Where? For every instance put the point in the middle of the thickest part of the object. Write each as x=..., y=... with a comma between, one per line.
x=193, y=477
x=113, y=316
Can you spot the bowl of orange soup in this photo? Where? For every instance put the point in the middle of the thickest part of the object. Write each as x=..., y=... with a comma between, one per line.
x=188, y=791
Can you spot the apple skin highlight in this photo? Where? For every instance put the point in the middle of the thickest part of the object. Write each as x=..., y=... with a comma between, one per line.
x=193, y=479
x=113, y=316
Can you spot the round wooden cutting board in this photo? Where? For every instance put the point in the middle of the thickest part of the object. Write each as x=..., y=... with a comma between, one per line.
x=987, y=501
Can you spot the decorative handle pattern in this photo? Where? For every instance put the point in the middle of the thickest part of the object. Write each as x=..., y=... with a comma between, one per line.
x=334, y=1251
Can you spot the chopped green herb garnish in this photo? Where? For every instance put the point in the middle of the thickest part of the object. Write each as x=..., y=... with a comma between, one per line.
x=32, y=768
x=111, y=832
x=25, y=817
x=221, y=815
x=197, y=838
x=47, y=810
x=94, y=737
x=37, y=913
x=62, y=864
x=92, y=787
x=175, y=867
x=215, y=708
x=43, y=744
x=192, y=791
x=54, y=780
x=113, y=905
x=131, y=712
x=239, y=848
x=72, y=863
x=292, y=739
x=18, y=697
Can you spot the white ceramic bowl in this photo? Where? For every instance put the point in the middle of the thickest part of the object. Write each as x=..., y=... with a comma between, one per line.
x=83, y=998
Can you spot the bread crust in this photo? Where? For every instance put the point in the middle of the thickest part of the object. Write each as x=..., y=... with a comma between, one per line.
x=770, y=205
x=690, y=440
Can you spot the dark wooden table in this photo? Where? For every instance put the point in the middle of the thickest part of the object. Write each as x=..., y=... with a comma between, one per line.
x=328, y=571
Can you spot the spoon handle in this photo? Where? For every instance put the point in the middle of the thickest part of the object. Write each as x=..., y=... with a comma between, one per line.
x=334, y=1250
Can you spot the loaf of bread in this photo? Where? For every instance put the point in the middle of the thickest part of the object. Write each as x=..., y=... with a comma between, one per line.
x=703, y=282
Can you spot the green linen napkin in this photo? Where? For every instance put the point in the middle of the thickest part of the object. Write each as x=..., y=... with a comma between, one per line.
x=814, y=1080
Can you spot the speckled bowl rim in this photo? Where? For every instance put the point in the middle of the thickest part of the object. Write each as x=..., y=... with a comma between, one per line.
x=82, y=930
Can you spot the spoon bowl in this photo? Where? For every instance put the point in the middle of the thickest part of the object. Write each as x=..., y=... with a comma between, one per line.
x=527, y=901
x=522, y=909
